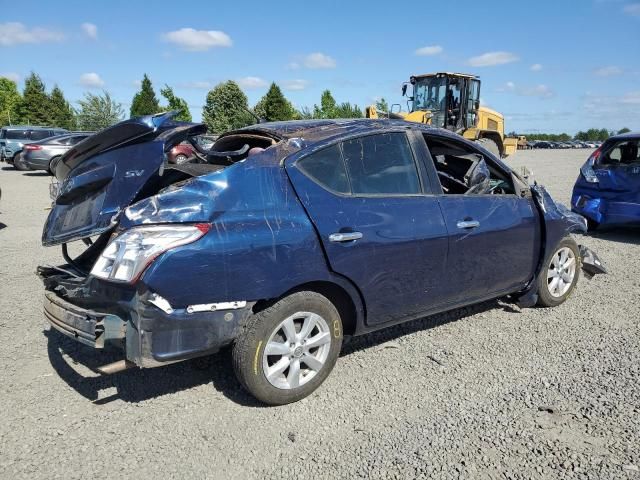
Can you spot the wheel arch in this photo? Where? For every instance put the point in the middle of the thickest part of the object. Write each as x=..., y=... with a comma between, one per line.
x=344, y=296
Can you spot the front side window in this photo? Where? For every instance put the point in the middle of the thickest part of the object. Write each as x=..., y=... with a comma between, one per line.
x=17, y=134
x=326, y=168
x=381, y=164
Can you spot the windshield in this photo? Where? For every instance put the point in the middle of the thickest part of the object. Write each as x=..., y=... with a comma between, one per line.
x=430, y=93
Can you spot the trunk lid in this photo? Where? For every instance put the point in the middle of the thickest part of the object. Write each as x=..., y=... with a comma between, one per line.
x=105, y=173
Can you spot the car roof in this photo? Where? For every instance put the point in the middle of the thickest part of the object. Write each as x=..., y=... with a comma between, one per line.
x=314, y=131
x=625, y=136
x=30, y=127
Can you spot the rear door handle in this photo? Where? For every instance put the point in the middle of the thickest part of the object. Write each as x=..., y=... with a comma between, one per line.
x=468, y=224
x=345, y=236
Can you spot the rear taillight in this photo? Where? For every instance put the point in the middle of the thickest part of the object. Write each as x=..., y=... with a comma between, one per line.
x=32, y=147
x=596, y=154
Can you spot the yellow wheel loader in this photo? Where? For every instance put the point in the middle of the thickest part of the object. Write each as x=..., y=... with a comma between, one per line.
x=452, y=101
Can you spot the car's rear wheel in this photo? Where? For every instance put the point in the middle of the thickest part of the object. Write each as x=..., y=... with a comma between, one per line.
x=560, y=275
x=287, y=350
x=181, y=159
x=19, y=163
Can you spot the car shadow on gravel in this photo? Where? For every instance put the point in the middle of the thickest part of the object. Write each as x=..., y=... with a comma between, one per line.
x=9, y=169
x=36, y=174
x=137, y=385
x=630, y=235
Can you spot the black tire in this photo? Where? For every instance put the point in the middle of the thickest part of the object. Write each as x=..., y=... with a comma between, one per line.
x=51, y=162
x=249, y=347
x=18, y=163
x=489, y=145
x=545, y=297
x=592, y=224
x=181, y=159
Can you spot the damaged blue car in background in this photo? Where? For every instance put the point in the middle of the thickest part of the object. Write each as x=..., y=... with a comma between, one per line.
x=286, y=237
x=607, y=191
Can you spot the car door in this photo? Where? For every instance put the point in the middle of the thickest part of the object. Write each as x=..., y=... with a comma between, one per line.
x=378, y=226
x=494, y=239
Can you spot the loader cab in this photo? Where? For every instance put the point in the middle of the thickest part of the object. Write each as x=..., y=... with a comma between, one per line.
x=452, y=100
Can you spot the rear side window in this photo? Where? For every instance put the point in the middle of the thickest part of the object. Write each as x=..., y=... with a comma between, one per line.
x=39, y=134
x=74, y=140
x=17, y=134
x=326, y=168
x=623, y=153
x=381, y=165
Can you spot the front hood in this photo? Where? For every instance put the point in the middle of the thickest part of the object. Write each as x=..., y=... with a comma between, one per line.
x=105, y=173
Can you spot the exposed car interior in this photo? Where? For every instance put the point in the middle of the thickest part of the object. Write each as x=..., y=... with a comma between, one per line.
x=623, y=153
x=463, y=171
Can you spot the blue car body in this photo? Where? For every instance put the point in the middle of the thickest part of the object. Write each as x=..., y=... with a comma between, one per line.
x=271, y=229
x=607, y=190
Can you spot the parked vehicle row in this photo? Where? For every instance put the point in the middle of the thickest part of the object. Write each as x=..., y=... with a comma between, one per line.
x=283, y=238
x=14, y=138
x=562, y=145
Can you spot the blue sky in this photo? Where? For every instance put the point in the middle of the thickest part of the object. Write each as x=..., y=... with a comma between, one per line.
x=548, y=65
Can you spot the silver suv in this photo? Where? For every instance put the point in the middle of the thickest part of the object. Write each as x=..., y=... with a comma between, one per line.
x=13, y=138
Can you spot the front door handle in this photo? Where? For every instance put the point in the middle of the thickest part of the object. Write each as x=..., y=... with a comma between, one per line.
x=345, y=236
x=468, y=224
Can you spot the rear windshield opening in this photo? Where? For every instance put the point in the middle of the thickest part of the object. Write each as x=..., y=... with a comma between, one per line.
x=622, y=153
x=238, y=146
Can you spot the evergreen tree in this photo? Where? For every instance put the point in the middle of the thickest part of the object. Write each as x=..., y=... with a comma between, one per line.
x=176, y=103
x=226, y=108
x=34, y=108
x=382, y=105
x=145, y=102
x=61, y=113
x=98, y=111
x=10, y=101
x=276, y=106
x=623, y=130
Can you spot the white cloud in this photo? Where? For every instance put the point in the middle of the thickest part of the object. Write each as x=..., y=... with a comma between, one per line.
x=198, y=40
x=429, y=50
x=15, y=33
x=292, y=66
x=251, y=82
x=197, y=85
x=319, y=60
x=536, y=67
x=632, y=9
x=540, y=91
x=13, y=76
x=91, y=80
x=90, y=30
x=491, y=59
x=609, y=71
x=295, y=84
x=631, y=98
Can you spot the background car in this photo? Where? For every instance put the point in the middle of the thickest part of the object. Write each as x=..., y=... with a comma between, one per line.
x=13, y=138
x=185, y=152
x=607, y=190
x=39, y=155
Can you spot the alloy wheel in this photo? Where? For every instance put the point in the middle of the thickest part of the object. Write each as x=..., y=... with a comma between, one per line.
x=297, y=350
x=561, y=272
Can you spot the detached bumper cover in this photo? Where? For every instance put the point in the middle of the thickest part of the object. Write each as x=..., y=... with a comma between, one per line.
x=150, y=336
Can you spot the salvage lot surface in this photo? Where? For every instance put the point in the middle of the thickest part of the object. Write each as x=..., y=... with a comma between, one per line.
x=488, y=392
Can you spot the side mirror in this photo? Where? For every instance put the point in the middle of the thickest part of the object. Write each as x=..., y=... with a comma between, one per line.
x=404, y=89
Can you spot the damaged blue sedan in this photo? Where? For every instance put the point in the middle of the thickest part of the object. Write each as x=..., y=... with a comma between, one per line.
x=284, y=238
x=607, y=191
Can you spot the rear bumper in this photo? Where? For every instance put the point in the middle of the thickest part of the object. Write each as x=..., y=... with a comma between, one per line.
x=605, y=211
x=37, y=163
x=148, y=335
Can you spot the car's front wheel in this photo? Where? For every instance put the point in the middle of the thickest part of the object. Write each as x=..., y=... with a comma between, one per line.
x=287, y=350
x=560, y=275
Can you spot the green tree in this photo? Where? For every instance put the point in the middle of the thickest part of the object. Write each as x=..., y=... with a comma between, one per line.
x=623, y=130
x=145, y=102
x=61, y=112
x=327, y=108
x=382, y=105
x=98, y=111
x=176, y=103
x=10, y=100
x=274, y=106
x=34, y=108
x=304, y=114
x=346, y=110
x=226, y=108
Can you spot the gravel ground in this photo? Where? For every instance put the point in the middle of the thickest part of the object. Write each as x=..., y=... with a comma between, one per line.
x=488, y=392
